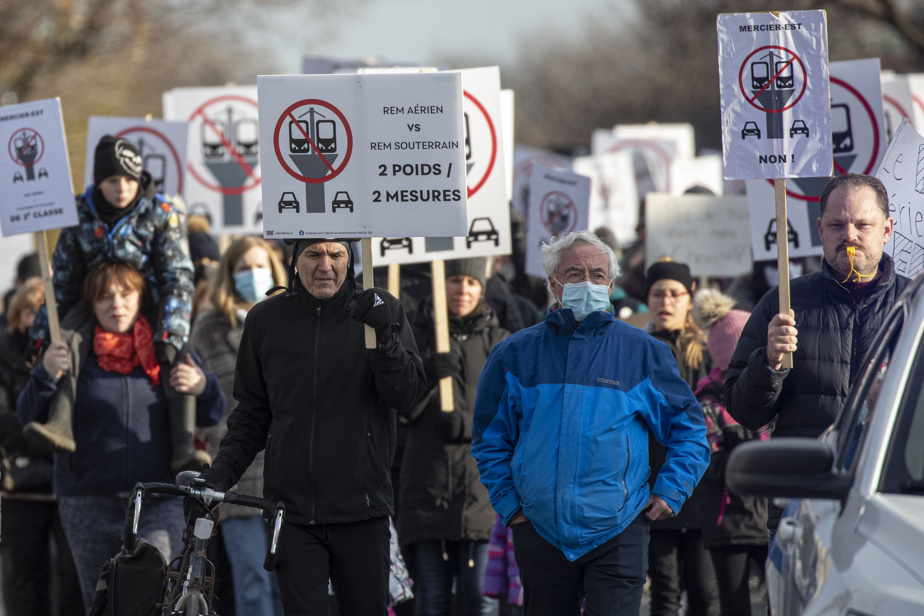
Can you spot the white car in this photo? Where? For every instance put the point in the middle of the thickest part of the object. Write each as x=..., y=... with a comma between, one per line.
x=851, y=541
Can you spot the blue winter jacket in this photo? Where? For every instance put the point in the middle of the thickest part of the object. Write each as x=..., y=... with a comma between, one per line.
x=561, y=425
x=120, y=424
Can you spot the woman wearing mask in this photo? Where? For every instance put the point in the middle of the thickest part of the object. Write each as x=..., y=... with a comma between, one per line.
x=677, y=558
x=121, y=422
x=445, y=516
x=248, y=269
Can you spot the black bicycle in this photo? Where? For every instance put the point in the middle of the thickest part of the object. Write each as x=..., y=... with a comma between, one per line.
x=190, y=579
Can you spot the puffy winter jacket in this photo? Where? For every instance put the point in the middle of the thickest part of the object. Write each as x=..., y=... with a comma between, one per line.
x=152, y=238
x=561, y=427
x=442, y=496
x=834, y=334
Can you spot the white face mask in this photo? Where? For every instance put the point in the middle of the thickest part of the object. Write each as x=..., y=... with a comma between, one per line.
x=584, y=298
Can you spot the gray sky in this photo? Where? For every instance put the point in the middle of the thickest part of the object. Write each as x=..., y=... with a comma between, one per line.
x=420, y=31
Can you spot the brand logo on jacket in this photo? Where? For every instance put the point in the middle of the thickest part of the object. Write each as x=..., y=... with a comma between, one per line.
x=600, y=379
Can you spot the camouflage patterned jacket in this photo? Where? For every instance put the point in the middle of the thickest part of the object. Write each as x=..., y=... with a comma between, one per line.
x=152, y=238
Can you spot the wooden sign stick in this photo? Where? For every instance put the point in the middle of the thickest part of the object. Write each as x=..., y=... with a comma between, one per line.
x=51, y=305
x=441, y=321
x=368, y=282
x=782, y=252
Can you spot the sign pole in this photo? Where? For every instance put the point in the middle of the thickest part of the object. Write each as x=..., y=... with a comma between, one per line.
x=441, y=321
x=368, y=282
x=54, y=329
x=782, y=252
x=394, y=279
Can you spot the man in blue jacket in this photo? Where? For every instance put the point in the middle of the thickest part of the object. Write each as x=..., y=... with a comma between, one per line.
x=560, y=433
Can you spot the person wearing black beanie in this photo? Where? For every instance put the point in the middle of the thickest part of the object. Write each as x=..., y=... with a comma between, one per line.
x=118, y=178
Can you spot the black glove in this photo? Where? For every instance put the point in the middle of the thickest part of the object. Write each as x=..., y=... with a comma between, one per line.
x=450, y=425
x=443, y=365
x=211, y=478
x=165, y=352
x=370, y=307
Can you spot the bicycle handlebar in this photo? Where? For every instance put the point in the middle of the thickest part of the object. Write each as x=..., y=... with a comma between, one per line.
x=208, y=496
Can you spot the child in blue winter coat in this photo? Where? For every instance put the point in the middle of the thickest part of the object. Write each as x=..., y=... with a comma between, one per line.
x=121, y=218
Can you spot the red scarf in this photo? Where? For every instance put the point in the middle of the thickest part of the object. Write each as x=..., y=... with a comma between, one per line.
x=120, y=353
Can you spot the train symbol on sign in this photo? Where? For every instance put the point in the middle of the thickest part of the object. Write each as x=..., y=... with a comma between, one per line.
x=841, y=131
x=244, y=137
x=760, y=75
x=302, y=134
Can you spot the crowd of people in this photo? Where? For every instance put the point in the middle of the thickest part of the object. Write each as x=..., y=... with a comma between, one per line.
x=581, y=455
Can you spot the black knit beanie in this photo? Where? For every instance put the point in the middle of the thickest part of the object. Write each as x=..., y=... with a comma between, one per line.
x=476, y=267
x=28, y=267
x=115, y=156
x=670, y=270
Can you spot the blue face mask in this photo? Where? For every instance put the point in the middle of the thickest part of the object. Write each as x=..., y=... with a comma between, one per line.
x=584, y=298
x=253, y=284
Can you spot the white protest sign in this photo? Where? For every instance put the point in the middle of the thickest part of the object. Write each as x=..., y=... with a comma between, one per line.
x=653, y=151
x=507, y=114
x=222, y=154
x=488, y=230
x=613, y=195
x=858, y=141
x=162, y=144
x=916, y=85
x=523, y=160
x=902, y=172
x=773, y=77
x=363, y=155
x=896, y=101
x=558, y=204
x=702, y=172
x=35, y=176
x=710, y=234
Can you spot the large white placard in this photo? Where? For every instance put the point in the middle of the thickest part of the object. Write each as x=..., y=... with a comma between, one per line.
x=558, y=204
x=773, y=77
x=653, y=151
x=162, y=144
x=488, y=230
x=613, y=195
x=902, y=172
x=523, y=160
x=710, y=234
x=35, y=177
x=222, y=154
x=363, y=155
x=896, y=101
x=700, y=173
x=916, y=85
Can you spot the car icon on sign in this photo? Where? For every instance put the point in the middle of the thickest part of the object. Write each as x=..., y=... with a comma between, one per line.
x=770, y=235
x=482, y=230
x=397, y=243
x=798, y=128
x=750, y=128
x=288, y=201
x=342, y=199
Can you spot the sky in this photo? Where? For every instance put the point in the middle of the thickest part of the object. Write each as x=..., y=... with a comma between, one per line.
x=422, y=31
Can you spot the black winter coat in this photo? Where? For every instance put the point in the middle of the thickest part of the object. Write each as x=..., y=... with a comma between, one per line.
x=322, y=406
x=442, y=496
x=834, y=334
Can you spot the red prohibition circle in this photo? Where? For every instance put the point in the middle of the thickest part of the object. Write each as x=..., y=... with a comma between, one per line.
x=571, y=206
x=234, y=153
x=145, y=129
x=346, y=126
x=41, y=142
x=876, y=137
x=484, y=112
x=895, y=104
x=751, y=101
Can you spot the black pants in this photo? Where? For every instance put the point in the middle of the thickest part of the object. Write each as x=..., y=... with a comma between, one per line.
x=610, y=577
x=678, y=561
x=354, y=556
x=34, y=579
x=732, y=570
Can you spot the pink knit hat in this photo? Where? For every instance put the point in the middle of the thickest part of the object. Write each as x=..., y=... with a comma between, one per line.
x=712, y=312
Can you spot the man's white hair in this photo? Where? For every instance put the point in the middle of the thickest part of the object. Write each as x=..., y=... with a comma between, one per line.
x=551, y=252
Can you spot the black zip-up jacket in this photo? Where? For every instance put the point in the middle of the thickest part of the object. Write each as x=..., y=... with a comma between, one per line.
x=834, y=334
x=442, y=496
x=322, y=405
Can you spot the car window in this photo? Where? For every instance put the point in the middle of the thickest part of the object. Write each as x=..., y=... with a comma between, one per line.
x=904, y=467
x=861, y=403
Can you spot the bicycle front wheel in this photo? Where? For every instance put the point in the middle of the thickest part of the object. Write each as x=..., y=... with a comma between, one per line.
x=195, y=604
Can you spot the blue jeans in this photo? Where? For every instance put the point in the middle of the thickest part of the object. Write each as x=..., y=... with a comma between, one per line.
x=255, y=589
x=465, y=561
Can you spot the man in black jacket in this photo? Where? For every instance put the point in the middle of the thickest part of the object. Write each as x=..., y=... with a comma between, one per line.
x=323, y=406
x=835, y=316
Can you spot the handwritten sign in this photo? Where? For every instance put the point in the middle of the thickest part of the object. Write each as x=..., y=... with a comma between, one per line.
x=710, y=234
x=902, y=172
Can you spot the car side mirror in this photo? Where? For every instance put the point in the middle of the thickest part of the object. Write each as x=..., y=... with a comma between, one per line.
x=786, y=467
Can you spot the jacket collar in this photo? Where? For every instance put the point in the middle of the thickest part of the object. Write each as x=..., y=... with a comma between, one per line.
x=561, y=321
x=336, y=302
x=886, y=266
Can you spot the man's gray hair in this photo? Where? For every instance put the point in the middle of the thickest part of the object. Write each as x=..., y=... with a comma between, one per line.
x=551, y=252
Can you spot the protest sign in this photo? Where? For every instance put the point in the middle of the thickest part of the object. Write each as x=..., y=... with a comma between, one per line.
x=710, y=234
x=902, y=172
x=558, y=204
x=613, y=196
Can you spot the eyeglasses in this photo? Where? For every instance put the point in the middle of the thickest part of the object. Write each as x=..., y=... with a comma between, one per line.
x=575, y=276
x=672, y=295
